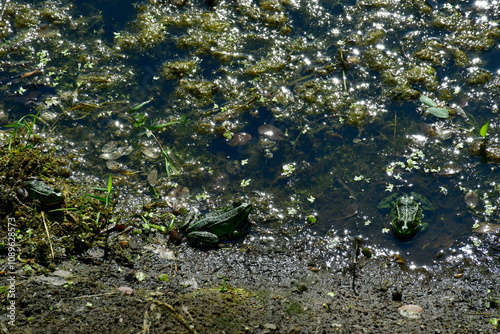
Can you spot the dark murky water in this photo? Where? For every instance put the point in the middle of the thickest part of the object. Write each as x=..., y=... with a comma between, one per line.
x=342, y=80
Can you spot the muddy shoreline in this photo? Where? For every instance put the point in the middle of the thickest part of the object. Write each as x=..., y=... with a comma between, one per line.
x=256, y=287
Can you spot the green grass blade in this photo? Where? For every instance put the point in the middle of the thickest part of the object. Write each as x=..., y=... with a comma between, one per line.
x=110, y=184
x=14, y=125
x=99, y=198
x=161, y=126
x=139, y=106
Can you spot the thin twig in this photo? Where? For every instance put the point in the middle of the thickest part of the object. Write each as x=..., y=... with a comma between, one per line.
x=344, y=79
x=395, y=127
x=174, y=313
x=96, y=295
x=357, y=246
x=48, y=235
x=145, y=323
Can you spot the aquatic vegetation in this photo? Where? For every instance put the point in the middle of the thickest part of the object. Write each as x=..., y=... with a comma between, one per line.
x=331, y=90
x=140, y=121
x=483, y=132
x=106, y=199
x=433, y=107
x=28, y=136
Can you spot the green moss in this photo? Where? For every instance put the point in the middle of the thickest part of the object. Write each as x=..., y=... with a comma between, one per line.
x=202, y=91
x=373, y=36
x=378, y=60
x=271, y=5
x=277, y=19
x=423, y=74
x=432, y=54
x=404, y=92
x=178, y=69
x=468, y=34
x=126, y=41
x=266, y=66
x=202, y=42
x=357, y=114
x=477, y=76
x=450, y=19
x=461, y=57
x=422, y=6
x=54, y=15
x=473, y=40
x=25, y=16
x=72, y=225
x=103, y=80
x=211, y=22
x=294, y=308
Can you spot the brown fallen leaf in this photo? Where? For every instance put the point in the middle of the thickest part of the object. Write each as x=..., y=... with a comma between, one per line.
x=487, y=228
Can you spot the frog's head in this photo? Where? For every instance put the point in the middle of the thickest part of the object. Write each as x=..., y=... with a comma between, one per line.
x=244, y=209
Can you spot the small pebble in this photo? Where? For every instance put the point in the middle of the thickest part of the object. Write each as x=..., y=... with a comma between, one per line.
x=411, y=311
x=63, y=273
x=126, y=290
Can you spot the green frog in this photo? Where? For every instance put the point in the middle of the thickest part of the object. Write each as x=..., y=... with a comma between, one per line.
x=227, y=222
x=406, y=217
x=38, y=190
x=406, y=213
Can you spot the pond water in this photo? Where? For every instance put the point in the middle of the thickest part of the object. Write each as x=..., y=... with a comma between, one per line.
x=341, y=79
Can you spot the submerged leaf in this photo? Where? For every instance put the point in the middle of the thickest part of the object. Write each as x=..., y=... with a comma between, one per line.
x=140, y=119
x=471, y=199
x=439, y=112
x=487, y=228
x=427, y=101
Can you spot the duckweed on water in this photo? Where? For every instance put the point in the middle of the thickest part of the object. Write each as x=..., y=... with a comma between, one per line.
x=342, y=83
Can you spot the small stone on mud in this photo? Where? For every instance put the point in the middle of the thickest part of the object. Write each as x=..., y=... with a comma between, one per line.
x=162, y=252
x=126, y=290
x=57, y=281
x=140, y=276
x=175, y=237
x=268, y=328
x=62, y=273
x=411, y=311
x=190, y=283
x=301, y=287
